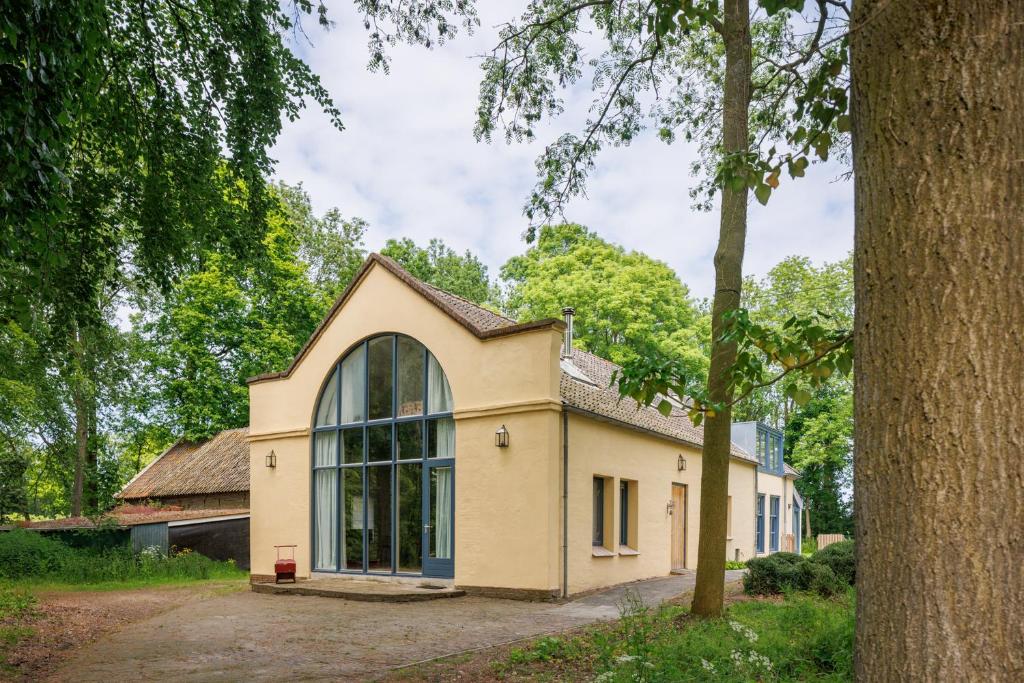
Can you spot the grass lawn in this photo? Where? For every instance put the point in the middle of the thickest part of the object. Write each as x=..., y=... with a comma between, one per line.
x=799, y=637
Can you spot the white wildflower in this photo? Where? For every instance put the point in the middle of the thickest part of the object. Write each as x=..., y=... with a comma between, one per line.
x=624, y=659
x=605, y=677
x=744, y=631
x=708, y=666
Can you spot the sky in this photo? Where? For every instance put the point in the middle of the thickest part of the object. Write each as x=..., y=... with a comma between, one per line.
x=407, y=163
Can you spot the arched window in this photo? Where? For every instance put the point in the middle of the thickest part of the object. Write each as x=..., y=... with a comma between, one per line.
x=383, y=462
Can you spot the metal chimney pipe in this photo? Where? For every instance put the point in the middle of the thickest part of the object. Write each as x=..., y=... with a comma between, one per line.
x=568, y=313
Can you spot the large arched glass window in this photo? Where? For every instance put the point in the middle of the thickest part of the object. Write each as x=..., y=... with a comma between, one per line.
x=383, y=462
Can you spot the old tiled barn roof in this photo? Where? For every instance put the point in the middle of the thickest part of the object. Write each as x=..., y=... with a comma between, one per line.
x=219, y=465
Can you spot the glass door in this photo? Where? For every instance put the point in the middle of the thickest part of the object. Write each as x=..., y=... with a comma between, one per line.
x=438, y=518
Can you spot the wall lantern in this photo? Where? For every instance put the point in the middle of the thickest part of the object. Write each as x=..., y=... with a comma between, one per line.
x=501, y=437
x=271, y=459
x=681, y=463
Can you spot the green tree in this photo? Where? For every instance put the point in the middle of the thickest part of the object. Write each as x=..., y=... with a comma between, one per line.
x=757, y=94
x=330, y=245
x=626, y=302
x=439, y=265
x=228, y=321
x=819, y=443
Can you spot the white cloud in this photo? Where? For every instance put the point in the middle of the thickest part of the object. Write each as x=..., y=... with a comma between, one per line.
x=407, y=162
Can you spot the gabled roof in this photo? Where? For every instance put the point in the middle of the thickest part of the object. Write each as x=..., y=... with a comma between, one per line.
x=481, y=322
x=218, y=465
x=601, y=400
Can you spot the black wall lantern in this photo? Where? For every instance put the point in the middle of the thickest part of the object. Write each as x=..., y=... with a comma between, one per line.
x=501, y=437
x=681, y=463
x=271, y=459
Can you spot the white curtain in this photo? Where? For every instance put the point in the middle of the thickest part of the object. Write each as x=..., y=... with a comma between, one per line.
x=326, y=448
x=353, y=386
x=442, y=513
x=327, y=413
x=326, y=515
x=439, y=394
x=445, y=438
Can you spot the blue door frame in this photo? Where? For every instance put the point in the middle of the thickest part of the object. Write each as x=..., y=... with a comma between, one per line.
x=438, y=567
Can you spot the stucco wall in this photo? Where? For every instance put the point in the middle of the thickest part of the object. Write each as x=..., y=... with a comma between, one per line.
x=509, y=380
x=597, y=448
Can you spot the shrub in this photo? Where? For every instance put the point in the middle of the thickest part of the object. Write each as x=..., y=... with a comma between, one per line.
x=29, y=556
x=735, y=564
x=783, y=572
x=772, y=574
x=820, y=579
x=28, y=553
x=839, y=558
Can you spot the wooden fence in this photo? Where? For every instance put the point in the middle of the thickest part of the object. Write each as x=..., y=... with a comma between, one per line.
x=825, y=540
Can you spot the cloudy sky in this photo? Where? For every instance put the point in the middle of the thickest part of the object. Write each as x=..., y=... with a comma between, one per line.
x=407, y=163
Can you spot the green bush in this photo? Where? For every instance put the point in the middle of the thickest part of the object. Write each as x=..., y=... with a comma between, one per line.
x=839, y=558
x=819, y=578
x=773, y=574
x=784, y=572
x=735, y=564
x=29, y=556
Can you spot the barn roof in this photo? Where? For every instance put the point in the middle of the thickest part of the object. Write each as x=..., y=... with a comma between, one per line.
x=217, y=465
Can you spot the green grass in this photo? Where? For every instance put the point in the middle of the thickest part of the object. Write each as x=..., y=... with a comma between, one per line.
x=27, y=558
x=16, y=607
x=802, y=637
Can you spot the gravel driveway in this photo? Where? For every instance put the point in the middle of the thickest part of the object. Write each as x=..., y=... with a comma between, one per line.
x=250, y=636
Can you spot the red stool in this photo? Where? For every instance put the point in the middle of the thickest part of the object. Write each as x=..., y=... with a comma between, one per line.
x=284, y=568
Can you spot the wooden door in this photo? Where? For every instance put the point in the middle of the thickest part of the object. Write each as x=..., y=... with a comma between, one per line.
x=678, y=526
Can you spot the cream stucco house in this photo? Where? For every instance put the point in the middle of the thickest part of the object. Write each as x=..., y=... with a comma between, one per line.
x=419, y=435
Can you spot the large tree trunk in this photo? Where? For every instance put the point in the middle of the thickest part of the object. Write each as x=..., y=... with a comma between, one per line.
x=938, y=107
x=714, y=480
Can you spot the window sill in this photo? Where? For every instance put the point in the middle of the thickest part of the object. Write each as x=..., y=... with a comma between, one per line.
x=626, y=550
x=728, y=538
x=601, y=551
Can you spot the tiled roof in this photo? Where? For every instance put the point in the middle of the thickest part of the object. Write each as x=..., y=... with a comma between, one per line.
x=218, y=465
x=484, y=324
x=791, y=471
x=602, y=400
x=127, y=519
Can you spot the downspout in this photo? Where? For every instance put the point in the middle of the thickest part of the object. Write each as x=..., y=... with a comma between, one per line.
x=566, y=352
x=565, y=502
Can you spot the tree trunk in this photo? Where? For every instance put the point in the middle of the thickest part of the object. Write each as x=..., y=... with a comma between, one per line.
x=939, y=374
x=81, y=449
x=714, y=482
x=807, y=516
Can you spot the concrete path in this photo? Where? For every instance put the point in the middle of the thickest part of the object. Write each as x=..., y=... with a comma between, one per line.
x=251, y=636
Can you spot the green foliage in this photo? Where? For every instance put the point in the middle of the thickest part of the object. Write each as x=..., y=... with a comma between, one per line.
x=118, y=115
x=626, y=302
x=735, y=564
x=226, y=322
x=839, y=557
x=804, y=637
x=672, y=50
x=439, y=265
x=27, y=556
x=819, y=440
x=827, y=576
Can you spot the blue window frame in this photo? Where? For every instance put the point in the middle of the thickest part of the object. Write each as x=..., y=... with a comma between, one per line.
x=774, y=528
x=383, y=452
x=598, y=530
x=759, y=526
x=624, y=513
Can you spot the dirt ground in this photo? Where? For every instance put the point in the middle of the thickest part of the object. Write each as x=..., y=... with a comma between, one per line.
x=65, y=622
x=227, y=633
